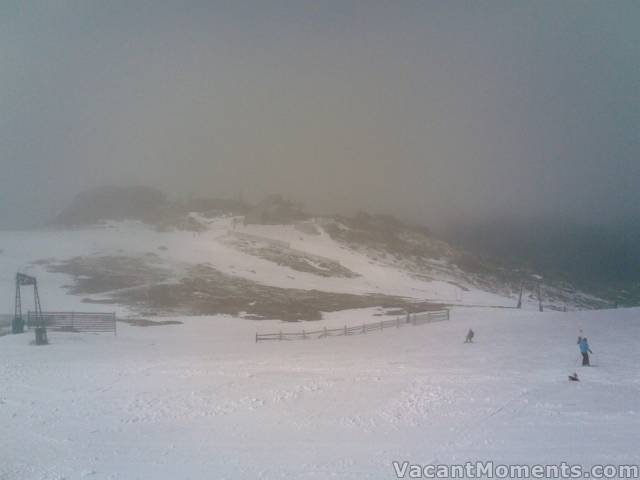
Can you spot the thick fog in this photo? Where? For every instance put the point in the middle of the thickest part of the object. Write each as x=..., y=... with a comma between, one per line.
x=434, y=110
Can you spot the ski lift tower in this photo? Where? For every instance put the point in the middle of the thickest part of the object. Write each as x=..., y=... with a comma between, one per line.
x=538, y=279
x=17, y=326
x=537, y=284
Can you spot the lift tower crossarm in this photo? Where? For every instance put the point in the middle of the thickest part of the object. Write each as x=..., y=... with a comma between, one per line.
x=22, y=279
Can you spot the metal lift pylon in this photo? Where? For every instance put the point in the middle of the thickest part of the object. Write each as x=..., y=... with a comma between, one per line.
x=17, y=326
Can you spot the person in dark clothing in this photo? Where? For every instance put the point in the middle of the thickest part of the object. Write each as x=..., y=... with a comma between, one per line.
x=469, y=337
x=585, y=351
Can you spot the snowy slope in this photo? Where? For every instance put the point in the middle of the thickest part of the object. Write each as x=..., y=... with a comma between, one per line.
x=201, y=400
x=32, y=251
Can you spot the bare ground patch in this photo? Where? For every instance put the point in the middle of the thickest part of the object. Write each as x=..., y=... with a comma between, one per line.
x=288, y=257
x=207, y=291
x=142, y=284
x=101, y=274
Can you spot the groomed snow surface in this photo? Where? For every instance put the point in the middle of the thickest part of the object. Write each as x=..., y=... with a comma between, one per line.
x=201, y=400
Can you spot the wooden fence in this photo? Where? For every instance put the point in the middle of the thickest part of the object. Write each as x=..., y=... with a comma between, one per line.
x=75, y=321
x=410, y=319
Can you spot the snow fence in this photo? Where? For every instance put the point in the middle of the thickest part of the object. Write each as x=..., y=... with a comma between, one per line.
x=411, y=319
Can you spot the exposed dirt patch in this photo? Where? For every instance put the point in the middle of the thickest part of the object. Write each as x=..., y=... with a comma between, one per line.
x=207, y=291
x=461, y=287
x=143, y=283
x=386, y=234
x=287, y=257
x=107, y=273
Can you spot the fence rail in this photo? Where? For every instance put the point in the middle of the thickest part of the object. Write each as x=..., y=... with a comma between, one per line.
x=75, y=321
x=410, y=319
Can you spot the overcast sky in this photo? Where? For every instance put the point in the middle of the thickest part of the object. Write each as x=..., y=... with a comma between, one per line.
x=435, y=110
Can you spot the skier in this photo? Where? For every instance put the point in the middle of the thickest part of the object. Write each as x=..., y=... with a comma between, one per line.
x=585, y=351
x=469, y=337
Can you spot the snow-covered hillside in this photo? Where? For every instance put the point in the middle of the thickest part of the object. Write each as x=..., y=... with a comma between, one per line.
x=201, y=400
x=258, y=271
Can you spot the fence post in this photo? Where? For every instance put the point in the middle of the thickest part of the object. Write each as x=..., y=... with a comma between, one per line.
x=381, y=325
x=398, y=322
x=115, y=325
x=345, y=331
x=256, y=337
x=304, y=335
x=408, y=318
x=325, y=331
x=73, y=324
x=280, y=338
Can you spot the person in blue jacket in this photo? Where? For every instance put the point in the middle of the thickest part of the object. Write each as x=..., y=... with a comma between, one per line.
x=585, y=351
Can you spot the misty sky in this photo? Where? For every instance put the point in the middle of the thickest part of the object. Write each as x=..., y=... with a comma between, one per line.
x=434, y=110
